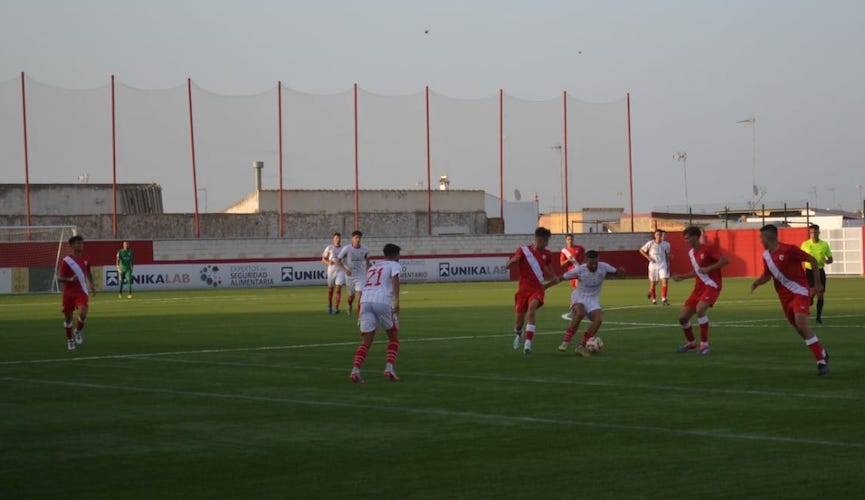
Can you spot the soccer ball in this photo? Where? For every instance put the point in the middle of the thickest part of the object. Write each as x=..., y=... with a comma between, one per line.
x=595, y=344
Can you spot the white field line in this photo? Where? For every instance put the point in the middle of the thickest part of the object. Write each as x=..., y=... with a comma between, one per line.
x=624, y=326
x=247, y=297
x=271, y=348
x=529, y=380
x=445, y=413
x=115, y=301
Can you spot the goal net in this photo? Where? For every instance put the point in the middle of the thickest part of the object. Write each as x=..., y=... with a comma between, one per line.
x=33, y=254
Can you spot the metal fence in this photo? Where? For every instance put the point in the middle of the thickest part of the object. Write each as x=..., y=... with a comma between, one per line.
x=198, y=145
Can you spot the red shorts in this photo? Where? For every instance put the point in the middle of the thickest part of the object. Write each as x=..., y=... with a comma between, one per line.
x=798, y=304
x=705, y=294
x=525, y=296
x=71, y=302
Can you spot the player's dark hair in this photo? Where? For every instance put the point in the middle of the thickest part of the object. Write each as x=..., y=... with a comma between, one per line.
x=356, y=233
x=592, y=254
x=75, y=239
x=769, y=228
x=391, y=250
x=692, y=231
x=543, y=232
x=337, y=234
x=660, y=231
x=571, y=236
x=814, y=226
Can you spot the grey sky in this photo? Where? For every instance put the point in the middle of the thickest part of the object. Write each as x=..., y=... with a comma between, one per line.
x=693, y=69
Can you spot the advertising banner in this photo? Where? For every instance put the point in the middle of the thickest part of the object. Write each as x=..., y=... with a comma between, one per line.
x=301, y=273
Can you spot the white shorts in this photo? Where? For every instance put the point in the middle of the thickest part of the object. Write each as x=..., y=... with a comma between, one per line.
x=354, y=283
x=335, y=277
x=375, y=315
x=589, y=302
x=658, y=272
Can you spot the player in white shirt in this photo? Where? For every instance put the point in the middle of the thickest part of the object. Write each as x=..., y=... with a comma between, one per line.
x=657, y=252
x=335, y=273
x=379, y=307
x=585, y=299
x=354, y=260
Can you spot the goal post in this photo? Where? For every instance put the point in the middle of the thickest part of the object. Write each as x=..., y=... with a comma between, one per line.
x=34, y=253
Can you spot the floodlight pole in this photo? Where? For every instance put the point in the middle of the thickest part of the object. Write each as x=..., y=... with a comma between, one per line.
x=428, y=165
x=754, y=189
x=565, y=155
x=682, y=156
x=192, y=149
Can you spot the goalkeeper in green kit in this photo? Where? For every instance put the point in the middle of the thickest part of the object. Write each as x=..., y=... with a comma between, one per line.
x=124, y=268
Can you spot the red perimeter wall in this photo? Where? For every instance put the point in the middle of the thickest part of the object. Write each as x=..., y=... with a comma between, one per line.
x=741, y=246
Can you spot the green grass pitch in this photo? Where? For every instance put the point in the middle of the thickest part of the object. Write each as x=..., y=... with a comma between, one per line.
x=222, y=394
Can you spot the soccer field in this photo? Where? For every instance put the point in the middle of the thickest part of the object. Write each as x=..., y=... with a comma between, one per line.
x=245, y=393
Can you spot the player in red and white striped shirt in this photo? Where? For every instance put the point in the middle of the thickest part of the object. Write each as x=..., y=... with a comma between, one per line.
x=782, y=263
x=706, y=264
x=533, y=263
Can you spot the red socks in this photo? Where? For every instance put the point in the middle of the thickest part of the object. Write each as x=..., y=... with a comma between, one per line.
x=704, y=328
x=816, y=348
x=392, y=351
x=569, y=334
x=68, y=327
x=586, y=336
x=664, y=292
x=360, y=355
x=689, y=332
x=80, y=325
x=653, y=294
x=530, y=332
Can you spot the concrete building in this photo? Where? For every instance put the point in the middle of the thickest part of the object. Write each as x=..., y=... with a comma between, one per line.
x=327, y=201
x=585, y=220
x=80, y=199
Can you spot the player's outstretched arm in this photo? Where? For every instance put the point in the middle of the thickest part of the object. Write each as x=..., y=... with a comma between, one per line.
x=512, y=261
x=683, y=277
x=722, y=261
x=762, y=280
x=553, y=282
x=396, y=294
x=819, y=286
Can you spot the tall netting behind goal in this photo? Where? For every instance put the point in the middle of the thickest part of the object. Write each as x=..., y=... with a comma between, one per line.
x=36, y=252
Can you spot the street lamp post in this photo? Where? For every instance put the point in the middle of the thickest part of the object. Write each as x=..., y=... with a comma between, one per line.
x=754, y=188
x=682, y=156
x=560, y=149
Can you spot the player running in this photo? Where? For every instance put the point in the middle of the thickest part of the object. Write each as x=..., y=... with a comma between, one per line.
x=706, y=263
x=379, y=307
x=657, y=252
x=77, y=289
x=124, y=264
x=819, y=249
x=783, y=264
x=335, y=273
x=571, y=257
x=354, y=260
x=534, y=263
x=585, y=299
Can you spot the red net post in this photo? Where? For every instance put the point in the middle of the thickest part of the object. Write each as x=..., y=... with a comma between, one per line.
x=630, y=163
x=428, y=164
x=280, y=160
x=565, y=157
x=356, y=167
x=113, y=164
x=26, y=150
x=192, y=150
